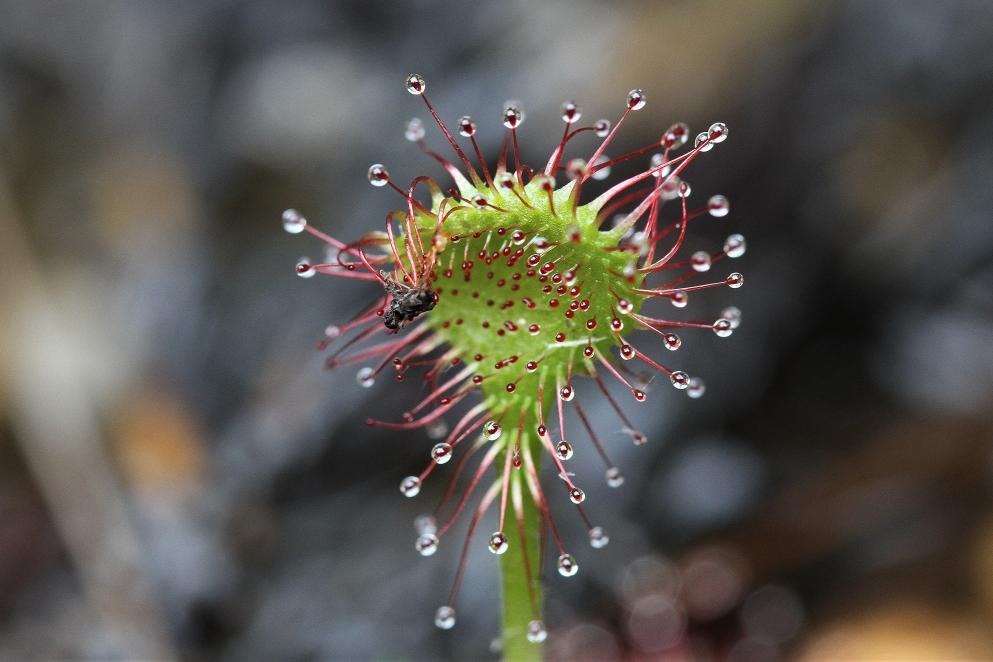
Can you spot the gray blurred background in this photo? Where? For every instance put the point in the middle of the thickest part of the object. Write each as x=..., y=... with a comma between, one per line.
x=180, y=478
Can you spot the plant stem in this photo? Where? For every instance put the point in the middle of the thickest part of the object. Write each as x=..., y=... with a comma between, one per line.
x=517, y=606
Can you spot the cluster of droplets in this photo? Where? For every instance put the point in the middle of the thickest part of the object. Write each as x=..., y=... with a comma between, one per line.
x=560, y=284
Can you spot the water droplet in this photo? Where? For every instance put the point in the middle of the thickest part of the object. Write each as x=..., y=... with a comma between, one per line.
x=427, y=544
x=639, y=395
x=735, y=280
x=415, y=130
x=598, y=538
x=636, y=100
x=718, y=132
x=366, y=377
x=571, y=112
x=332, y=331
x=696, y=388
x=672, y=342
x=670, y=188
x=444, y=618
x=567, y=565
x=293, y=222
x=304, y=268
x=492, y=430
x=410, y=486
x=723, y=328
x=676, y=136
x=679, y=379
x=600, y=174
x=655, y=162
x=378, y=175
x=685, y=189
x=601, y=128
x=563, y=450
x=734, y=245
x=638, y=438
x=679, y=299
x=441, y=453
x=566, y=394
x=544, y=182
x=537, y=632
x=498, y=543
x=436, y=429
x=718, y=206
x=616, y=324
x=733, y=315
x=614, y=477
x=512, y=117
x=425, y=524
x=576, y=495
x=700, y=261
x=624, y=306
x=416, y=84
x=703, y=143
x=627, y=352
x=467, y=126
x=576, y=168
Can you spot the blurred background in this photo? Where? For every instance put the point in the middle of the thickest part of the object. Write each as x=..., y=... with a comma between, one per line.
x=180, y=478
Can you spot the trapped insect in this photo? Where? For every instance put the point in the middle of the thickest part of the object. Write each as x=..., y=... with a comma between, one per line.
x=407, y=302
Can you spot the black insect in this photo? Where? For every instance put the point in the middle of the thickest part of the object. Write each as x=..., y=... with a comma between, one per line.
x=407, y=302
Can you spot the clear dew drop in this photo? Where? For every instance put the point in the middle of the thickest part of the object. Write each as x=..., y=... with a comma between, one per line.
x=636, y=100
x=576, y=168
x=718, y=206
x=365, y=377
x=677, y=135
x=656, y=162
x=564, y=450
x=513, y=117
x=679, y=379
x=735, y=280
x=679, y=299
x=378, y=175
x=627, y=352
x=638, y=438
x=624, y=306
x=703, y=143
x=425, y=524
x=601, y=128
x=685, y=190
x=722, y=327
x=467, y=126
x=733, y=315
x=718, y=132
x=507, y=181
x=436, y=429
x=566, y=393
x=672, y=342
x=498, y=543
x=700, y=261
x=734, y=245
x=441, y=453
x=416, y=84
x=332, y=331
x=444, y=618
x=576, y=495
x=304, y=268
x=293, y=222
x=598, y=538
x=567, y=565
x=427, y=544
x=414, y=132
x=670, y=188
x=601, y=173
x=410, y=486
x=571, y=112
x=536, y=632
x=614, y=477
x=696, y=388
x=492, y=430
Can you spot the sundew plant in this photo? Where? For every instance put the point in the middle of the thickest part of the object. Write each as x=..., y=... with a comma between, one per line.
x=498, y=292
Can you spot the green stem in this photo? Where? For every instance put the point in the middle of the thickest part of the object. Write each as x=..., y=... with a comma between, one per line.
x=517, y=607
